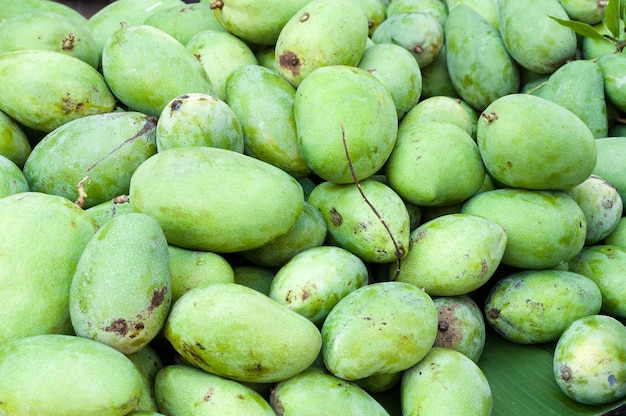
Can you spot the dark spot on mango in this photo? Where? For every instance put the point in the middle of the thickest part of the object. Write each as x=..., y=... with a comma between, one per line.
x=565, y=374
x=305, y=294
x=190, y=353
x=208, y=394
x=335, y=217
x=290, y=61
x=240, y=396
x=158, y=296
x=119, y=325
x=494, y=313
x=256, y=368
x=176, y=104
x=305, y=17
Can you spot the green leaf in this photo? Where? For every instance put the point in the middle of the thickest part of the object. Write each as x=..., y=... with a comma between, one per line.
x=612, y=17
x=583, y=29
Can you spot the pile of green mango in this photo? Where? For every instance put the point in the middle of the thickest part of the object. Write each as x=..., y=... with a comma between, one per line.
x=305, y=207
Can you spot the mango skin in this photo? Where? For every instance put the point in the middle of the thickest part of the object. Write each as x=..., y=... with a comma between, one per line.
x=14, y=144
x=461, y=325
x=425, y=387
x=605, y=264
x=453, y=254
x=536, y=306
x=528, y=153
x=53, y=374
x=105, y=148
x=121, y=290
x=12, y=9
x=231, y=330
x=106, y=211
x=146, y=68
x=313, y=281
x=185, y=21
x=184, y=390
x=29, y=72
x=398, y=319
x=543, y=228
x=12, y=179
x=219, y=200
x=45, y=269
x=589, y=362
x=148, y=362
x=610, y=153
x=314, y=388
x=338, y=103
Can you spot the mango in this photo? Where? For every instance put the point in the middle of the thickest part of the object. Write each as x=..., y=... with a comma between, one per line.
x=602, y=205
x=321, y=33
x=461, y=325
x=379, y=235
x=544, y=48
x=49, y=31
x=535, y=306
x=259, y=22
x=379, y=383
x=593, y=48
x=183, y=390
x=148, y=361
x=313, y=389
x=313, y=281
x=426, y=387
x=185, y=21
x=220, y=53
x=605, y=264
x=453, y=254
x=146, y=68
x=218, y=200
x=258, y=278
x=589, y=12
x=14, y=144
x=398, y=319
x=441, y=108
x=121, y=290
x=35, y=278
x=27, y=73
x=434, y=163
x=612, y=66
x=345, y=120
x=308, y=232
x=436, y=78
x=610, y=151
x=264, y=104
x=488, y=9
x=190, y=268
x=528, y=152
x=106, y=211
x=52, y=374
x=231, y=331
x=197, y=119
x=479, y=64
x=12, y=179
x=11, y=9
x=543, y=228
x=436, y=8
x=96, y=155
x=589, y=360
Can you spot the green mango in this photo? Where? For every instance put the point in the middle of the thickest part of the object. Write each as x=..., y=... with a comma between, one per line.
x=12, y=179
x=42, y=238
x=605, y=264
x=14, y=144
x=52, y=374
x=258, y=278
x=264, y=104
x=589, y=362
x=594, y=48
x=434, y=163
x=453, y=254
x=197, y=119
x=313, y=281
x=220, y=53
x=601, y=204
x=183, y=390
x=461, y=325
x=379, y=235
x=256, y=21
x=146, y=68
x=107, y=210
x=398, y=320
x=558, y=225
x=49, y=31
x=148, y=361
x=488, y=9
x=236, y=332
x=266, y=56
x=420, y=33
x=436, y=78
x=190, y=268
x=322, y=33
x=442, y=108
x=425, y=387
x=346, y=122
x=436, y=8
x=10, y=9
x=121, y=290
x=98, y=152
x=609, y=166
x=590, y=12
x=544, y=48
x=218, y=200
x=379, y=383
x=617, y=237
x=309, y=231
x=37, y=92
x=579, y=87
x=535, y=306
x=529, y=152
x=479, y=64
x=313, y=389
x=375, y=12
x=104, y=23
x=185, y=21
x=613, y=67
x=397, y=70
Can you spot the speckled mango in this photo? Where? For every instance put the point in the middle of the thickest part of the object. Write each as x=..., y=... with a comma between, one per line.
x=122, y=289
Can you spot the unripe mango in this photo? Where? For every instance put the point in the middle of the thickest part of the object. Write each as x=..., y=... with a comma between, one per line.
x=461, y=325
x=14, y=144
x=12, y=179
x=185, y=21
x=609, y=166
